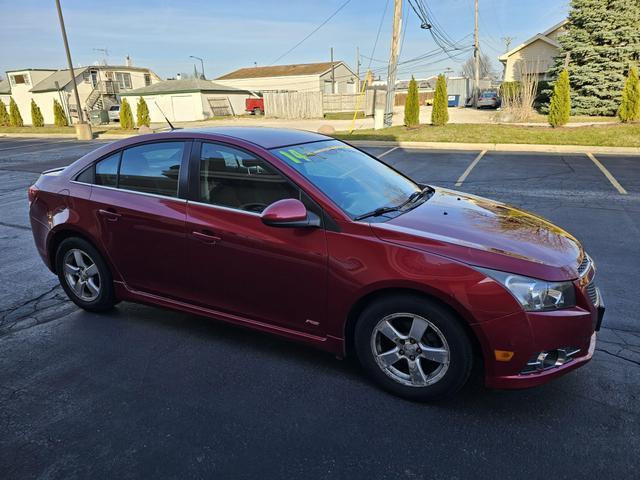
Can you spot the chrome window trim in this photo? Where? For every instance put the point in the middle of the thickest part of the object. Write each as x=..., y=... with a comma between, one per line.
x=147, y=194
x=222, y=207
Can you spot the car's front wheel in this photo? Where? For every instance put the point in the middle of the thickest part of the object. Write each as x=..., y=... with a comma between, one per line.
x=413, y=347
x=84, y=275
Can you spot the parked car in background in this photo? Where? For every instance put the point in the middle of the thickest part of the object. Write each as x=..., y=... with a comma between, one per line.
x=306, y=237
x=489, y=99
x=254, y=105
x=114, y=113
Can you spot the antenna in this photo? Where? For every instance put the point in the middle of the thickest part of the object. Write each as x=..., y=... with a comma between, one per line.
x=105, y=53
x=165, y=117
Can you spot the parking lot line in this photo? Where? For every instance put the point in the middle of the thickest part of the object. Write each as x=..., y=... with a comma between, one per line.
x=466, y=173
x=607, y=174
x=388, y=151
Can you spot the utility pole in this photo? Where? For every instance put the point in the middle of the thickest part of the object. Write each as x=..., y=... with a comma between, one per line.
x=476, y=61
x=393, y=63
x=507, y=43
x=83, y=130
x=333, y=74
x=357, y=69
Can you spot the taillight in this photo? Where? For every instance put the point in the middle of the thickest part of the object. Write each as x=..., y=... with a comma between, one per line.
x=32, y=192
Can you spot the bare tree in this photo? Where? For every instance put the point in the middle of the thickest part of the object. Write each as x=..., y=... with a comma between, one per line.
x=518, y=97
x=486, y=68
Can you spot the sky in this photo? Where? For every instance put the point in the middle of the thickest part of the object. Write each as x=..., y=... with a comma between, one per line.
x=162, y=34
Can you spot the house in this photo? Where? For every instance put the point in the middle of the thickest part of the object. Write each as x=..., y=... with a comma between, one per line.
x=188, y=100
x=538, y=54
x=5, y=92
x=325, y=77
x=98, y=87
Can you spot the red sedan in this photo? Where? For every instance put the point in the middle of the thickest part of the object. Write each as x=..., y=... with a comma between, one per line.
x=306, y=237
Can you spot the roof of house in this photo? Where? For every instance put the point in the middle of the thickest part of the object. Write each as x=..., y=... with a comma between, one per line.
x=281, y=70
x=182, y=86
x=61, y=76
x=5, y=87
x=540, y=36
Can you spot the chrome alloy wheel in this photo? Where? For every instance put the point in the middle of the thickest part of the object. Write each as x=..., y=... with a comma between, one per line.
x=410, y=349
x=81, y=274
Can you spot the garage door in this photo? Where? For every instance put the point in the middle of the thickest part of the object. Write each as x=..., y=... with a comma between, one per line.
x=183, y=110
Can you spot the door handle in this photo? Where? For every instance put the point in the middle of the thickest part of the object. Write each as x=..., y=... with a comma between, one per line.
x=110, y=215
x=208, y=238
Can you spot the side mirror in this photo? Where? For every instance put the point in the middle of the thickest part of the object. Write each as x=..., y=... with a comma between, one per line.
x=289, y=213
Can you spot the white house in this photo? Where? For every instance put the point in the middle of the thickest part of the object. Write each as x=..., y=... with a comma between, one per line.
x=188, y=100
x=538, y=54
x=98, y=87
x=325, y=77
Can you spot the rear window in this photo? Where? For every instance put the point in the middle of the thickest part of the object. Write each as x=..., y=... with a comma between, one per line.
x=115, y=108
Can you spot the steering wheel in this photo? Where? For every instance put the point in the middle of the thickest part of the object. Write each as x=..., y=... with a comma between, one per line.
x=253, y=207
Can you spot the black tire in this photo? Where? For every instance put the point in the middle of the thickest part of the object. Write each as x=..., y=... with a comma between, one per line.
x=257, y=111
x=105, y=299
x=460, y=356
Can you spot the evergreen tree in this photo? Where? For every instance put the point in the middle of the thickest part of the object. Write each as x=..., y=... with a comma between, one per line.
x=560, y=107
x=142, y=113
x=15, y=119
x=59, y=117
x=630, y=106
x=126, y=117
x=602, y=38
x=412, y=105
x=440, y=111
x=4, y=116
x=37, y=120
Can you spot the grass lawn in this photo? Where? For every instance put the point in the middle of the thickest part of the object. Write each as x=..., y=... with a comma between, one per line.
x=538, y=118
x=46, y=129
x=597, y=135
x=343, y=115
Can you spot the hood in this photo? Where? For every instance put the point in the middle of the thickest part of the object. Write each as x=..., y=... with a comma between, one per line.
x=489, y=234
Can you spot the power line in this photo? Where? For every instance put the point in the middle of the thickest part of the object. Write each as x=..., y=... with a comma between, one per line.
x=325, y=21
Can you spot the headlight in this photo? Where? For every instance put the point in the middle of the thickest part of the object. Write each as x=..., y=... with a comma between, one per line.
x=535, y=295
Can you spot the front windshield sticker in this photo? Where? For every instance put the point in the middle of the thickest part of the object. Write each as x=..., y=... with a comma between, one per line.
x=297, y=157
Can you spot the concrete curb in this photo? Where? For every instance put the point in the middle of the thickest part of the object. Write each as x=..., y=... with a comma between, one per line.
x=498, y=147
x=102, y=136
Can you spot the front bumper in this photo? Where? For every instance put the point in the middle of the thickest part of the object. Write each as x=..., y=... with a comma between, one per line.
x=529, y=333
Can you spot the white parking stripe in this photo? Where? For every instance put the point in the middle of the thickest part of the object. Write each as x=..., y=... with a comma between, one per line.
x=388, y=151
x=466, y=173
x=607, y=174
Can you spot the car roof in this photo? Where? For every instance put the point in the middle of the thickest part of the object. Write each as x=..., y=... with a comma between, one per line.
x=265, y=137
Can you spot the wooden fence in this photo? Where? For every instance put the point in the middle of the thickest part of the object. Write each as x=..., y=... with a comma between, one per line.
x=297, y=105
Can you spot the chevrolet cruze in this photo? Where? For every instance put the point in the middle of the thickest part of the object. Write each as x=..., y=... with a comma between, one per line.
x=306, y=237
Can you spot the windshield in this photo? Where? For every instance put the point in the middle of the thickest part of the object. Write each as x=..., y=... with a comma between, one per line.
x=356, y=182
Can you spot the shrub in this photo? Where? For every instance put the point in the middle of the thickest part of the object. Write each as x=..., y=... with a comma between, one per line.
x=37, y=120
x=440, y=111
x=59, y=117
x=4, y=116
x=412, y=105
x=560, y=106
x=15, y=119
x=142, y=113
x=630, y=107
x=126, y=117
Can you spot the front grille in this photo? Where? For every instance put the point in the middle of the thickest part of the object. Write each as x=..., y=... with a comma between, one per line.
x=592, y=291
x=584, y=265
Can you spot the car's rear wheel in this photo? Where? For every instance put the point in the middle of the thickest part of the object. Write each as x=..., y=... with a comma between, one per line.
x=413, y=347
x=84, y=275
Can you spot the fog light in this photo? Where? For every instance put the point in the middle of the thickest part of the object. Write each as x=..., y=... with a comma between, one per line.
x=550, y=359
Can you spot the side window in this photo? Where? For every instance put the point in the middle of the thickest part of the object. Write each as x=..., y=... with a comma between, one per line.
x=236, y=179
x=152, y=168
x=107, y=171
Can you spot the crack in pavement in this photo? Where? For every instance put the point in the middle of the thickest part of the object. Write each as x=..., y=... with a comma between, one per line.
x=13, y=225
x=635, y=362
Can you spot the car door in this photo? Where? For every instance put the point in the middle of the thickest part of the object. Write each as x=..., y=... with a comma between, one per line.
x=141, y=218
x=237, y=264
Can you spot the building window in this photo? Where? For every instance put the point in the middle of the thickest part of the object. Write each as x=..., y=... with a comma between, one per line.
x=124, y=80
x=19, y=79
x=147, y=79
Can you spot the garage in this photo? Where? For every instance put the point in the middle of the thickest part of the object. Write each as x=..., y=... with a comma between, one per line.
x=188, y=100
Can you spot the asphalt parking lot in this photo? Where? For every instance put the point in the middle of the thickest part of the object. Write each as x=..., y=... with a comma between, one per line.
x=145, y=392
